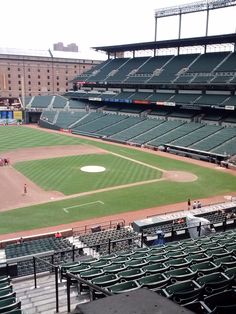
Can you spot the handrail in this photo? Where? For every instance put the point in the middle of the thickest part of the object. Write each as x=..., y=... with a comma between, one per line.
x=56, y=277
x=91, y=286
x=108, y=223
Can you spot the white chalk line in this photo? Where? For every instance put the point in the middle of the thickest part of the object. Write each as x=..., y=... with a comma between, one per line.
x=80, y=205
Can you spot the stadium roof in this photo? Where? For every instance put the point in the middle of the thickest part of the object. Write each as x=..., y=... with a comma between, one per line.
x=172, y=43
x=89, y=54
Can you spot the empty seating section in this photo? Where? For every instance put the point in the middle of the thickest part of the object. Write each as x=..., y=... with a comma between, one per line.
x=36, y=246
x=160, y=97
x=109, y=69
x=197, y=136
x=9, y=302
x=147, y=69
x=59, y=102
x=77, y=104
x=161, y=129
x=140, y=96
x=48, y=116
x=65, y=119
x=92, y=71
x=215, y=140
x=137, y=129
x=230, y=101
x=207, y=62
x=100, y=240
x=178, y=132
x=211, y=99
x=123, y=95
x=185, y=98
x=127, y=68
x=226, y=148
x=172, y=68
x=124, y=124
x=88, y=118
x=229, y=65
x=100, y=123
x=188, y=272
x=41, y=101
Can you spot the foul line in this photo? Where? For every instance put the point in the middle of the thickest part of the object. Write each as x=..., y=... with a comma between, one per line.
x=138, y=162
x=80, y=205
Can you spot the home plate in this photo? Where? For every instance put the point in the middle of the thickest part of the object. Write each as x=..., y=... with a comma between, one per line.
x=93, y=169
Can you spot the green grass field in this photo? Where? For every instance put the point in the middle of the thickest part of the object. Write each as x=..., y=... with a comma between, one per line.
x=210, y=182
x=64, y=174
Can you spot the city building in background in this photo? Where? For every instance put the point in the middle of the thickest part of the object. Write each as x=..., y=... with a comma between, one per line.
x=70, y=47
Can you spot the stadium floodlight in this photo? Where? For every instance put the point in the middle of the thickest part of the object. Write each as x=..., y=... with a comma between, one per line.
x=194, y=7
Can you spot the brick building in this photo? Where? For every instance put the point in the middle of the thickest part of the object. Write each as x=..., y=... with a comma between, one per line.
x=31, y=73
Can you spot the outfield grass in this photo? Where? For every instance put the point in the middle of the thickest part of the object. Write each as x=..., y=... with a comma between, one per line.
x=210, y=182
x=64, y=174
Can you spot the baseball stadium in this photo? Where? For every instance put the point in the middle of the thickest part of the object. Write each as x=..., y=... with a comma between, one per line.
x=119, y=196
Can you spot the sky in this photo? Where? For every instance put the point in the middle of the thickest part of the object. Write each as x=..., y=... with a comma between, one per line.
x=37, y=24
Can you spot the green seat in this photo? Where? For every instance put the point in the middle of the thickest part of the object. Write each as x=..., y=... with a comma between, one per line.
x=198, y=307
x=218, y=252
x=155, y=268
x=224, y=300
x=183, y=292
x=214, y=282
x=124, y=287
x=194, y=250
x=5, y=279
x=79, y=269
x=136, y=263
x=178, y=263
x=154, y=282
x=204, y=268
x=180, y=274
x=140, y=255
x=125, y=253
x=65, y=267
x=101, y=264
x=176, y=254
x=225, y=261
x=121, y=260
x=114, y=268
x=198, y=258
x=141, y=249
x=131, y=274
x=90, y=274
x=17, y=311
x=4, y=286
x=157, y=258
x=7, y=293
x=9, y=304
x=108, y=257
x=89, y=261
x=105, y=280
x=230, y=272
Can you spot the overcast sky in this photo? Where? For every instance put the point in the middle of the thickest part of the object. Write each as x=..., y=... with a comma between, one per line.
x=37, y=24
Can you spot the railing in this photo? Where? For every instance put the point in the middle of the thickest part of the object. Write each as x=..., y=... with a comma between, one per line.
x=108, y=224
x=55, y=268
x=81, y=281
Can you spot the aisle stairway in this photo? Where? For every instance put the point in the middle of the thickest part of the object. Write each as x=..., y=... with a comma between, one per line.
x=42, y=300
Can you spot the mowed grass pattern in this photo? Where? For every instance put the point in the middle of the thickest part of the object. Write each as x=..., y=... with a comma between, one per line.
x=13, y=137
x=64, y=174
x=210, y=182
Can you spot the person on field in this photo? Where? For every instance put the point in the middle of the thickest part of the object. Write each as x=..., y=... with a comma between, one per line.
x=25, y=189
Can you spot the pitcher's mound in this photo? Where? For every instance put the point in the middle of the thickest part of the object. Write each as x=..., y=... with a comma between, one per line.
x=179, y=176
x=93, y=169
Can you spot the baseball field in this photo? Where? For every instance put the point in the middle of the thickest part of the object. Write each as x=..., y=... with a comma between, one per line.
x=73, y=179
